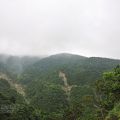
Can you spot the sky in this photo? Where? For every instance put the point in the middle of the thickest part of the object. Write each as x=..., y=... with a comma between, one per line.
x=44, y=27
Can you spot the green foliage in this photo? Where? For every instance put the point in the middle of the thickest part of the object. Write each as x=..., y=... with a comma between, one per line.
x=108, y=91
x=48, y=97
x=114, y=114
x=45, y=93
x=73, y=112
x=44, y=87
x=23, y=112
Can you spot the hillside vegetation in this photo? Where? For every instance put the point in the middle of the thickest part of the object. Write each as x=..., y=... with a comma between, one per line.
x=63, y=87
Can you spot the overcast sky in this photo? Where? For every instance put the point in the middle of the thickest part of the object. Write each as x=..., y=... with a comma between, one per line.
x=40, y=27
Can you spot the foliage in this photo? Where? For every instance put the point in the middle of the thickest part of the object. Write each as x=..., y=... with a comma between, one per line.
x=47, y=100
x=108, y=92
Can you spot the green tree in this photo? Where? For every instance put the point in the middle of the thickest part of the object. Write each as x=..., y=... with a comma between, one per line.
x=73, y=112
x=107, y=92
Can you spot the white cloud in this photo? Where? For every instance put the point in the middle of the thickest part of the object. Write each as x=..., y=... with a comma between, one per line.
x=35, y=27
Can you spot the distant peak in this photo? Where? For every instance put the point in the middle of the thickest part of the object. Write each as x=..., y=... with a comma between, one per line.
x=66, y=55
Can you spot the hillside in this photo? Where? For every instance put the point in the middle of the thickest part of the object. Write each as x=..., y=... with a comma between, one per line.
x=78, y=69
x=64, y=79
x=10, y=97
x=56, y=85
x=15, y=65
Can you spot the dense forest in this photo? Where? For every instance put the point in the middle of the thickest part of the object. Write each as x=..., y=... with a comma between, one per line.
x=59, y=87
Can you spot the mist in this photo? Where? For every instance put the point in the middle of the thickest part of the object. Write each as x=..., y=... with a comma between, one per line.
x=45, y=27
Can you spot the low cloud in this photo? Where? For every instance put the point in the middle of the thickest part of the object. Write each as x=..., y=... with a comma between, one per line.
x=40, y=27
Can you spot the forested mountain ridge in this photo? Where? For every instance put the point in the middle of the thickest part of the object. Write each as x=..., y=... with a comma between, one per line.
x=15, y=65
x=45, y=87
x=78, y=69
x=63, y=87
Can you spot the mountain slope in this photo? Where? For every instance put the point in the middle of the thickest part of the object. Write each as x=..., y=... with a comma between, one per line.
x=78, y=69
x=15, y=65
x=57, y=84
x=45, y=86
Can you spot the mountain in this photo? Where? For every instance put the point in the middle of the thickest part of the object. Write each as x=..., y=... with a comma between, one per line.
x=56, y=85
x=15, y=65
x=13, y=101
x=57, y=81
x=78, y=69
